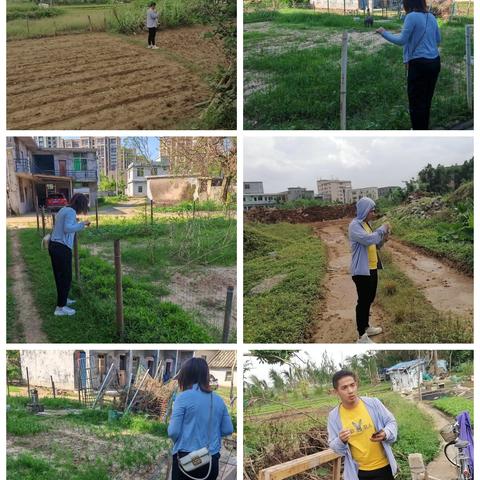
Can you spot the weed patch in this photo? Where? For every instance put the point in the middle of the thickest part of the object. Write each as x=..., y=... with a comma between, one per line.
x=453, y=406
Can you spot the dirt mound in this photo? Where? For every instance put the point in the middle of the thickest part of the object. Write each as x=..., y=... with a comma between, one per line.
x=300, y=215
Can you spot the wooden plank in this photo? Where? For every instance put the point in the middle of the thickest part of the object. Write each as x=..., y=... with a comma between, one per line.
x=299, y=465
x=337, y=469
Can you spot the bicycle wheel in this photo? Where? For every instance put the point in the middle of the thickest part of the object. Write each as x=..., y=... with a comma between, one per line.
x=451, y=453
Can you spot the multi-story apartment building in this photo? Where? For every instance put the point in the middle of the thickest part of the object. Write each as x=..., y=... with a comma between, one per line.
x=335, y=190
x=49, y=142
x=358, y=193
x=33, y=173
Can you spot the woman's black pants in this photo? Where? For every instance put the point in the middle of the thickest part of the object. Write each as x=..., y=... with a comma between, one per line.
x=366, y=291
x=177, y=474
x=384, y=473
x=422, y=78
x=151, y=35
x=61, y=257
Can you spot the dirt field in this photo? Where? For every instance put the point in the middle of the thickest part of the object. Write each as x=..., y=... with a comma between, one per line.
x=102, y=81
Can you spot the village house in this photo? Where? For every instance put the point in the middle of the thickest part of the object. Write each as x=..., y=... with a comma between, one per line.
x=137, y=174
x=69, y=367
x=406, y=376
x=34, y=173
x=253, y=195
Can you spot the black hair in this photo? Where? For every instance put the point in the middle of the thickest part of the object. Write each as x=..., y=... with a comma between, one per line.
x=79, y=202
x=415, y=6
x=195, y=370
x=341, y=374
x=152, y=4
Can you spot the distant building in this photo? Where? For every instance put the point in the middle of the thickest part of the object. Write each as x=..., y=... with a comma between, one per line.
x=49, y=142
x=253, y=195
x=252, y=187
x=354, y=5
x=299, y=193
x=358, y=193
x=33, y=173
x=385, y=191
x=406, y=376
x=335, y=190
x=137, y=174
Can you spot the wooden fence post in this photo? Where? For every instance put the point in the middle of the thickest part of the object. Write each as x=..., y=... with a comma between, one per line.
x=53, y=387
x=119, y=288
x=28, y=382
x=151, y=212
x=145, y=212
x=228, y=315
x=43, y=221
x=96, y=212
x=76, y=258
x=337, y=469
x=90, y=23
x=343, y=83
x=36, y=212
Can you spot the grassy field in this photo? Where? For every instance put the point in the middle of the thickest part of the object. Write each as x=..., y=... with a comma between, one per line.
x=292, y=73
x=150, y=256
x=453, y=406
x=26, y=20
x=416, y=433
x=14, y=327
x=281, y=313
x=411, y=316
x=80, y=444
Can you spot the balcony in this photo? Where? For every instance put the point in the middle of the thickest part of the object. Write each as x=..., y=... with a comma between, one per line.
x=24, y=165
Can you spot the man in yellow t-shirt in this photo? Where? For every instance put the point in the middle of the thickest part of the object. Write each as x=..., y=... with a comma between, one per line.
x=361, y=429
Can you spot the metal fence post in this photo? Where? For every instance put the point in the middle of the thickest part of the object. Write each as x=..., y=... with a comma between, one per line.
x=119, y=288
x=228, y=315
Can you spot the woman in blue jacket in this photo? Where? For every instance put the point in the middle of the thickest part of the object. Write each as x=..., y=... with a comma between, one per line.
x=60, y=249
x=420, y=37
x=199, y=420
x=365, y=263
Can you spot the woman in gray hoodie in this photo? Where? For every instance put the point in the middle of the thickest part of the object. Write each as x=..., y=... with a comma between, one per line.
x=152, y=24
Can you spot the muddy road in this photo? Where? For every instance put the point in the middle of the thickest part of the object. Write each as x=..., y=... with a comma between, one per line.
x=445, y=288
x=335, y=316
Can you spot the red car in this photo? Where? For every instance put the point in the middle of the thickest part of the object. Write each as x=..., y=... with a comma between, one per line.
x=56, y=201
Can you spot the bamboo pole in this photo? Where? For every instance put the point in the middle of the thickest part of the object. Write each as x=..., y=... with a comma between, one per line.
x=343, y=83
x=119, y=289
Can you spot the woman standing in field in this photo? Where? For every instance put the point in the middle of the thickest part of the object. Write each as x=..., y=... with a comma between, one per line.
x=365, y=263
x=60, y=249
x=199, y=421
x=420, y=37
x=152, y=24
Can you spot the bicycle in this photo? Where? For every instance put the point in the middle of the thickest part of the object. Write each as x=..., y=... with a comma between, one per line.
x=456, y=451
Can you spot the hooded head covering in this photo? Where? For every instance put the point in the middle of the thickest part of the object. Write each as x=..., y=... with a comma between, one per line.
x=364, y=206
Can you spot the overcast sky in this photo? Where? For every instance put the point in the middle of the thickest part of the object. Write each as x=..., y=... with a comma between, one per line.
x=282, y=162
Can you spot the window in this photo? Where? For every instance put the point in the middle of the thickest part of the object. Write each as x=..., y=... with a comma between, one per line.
x=228, y=376
x=140, y=172
x=80, y=162
x=123, y=362
x=154, y=171
x=140, y=189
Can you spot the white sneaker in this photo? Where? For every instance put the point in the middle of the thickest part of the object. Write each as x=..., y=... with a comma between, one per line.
x=364, y=339
x=154, y=47
x=62, y=311
x=149, y=46
x=371, y=331
x=70, y=302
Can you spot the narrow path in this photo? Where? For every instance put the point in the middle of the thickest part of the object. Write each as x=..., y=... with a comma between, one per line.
x=445, y=288
x=335, y=316
x=28, y=314
x=440, y=467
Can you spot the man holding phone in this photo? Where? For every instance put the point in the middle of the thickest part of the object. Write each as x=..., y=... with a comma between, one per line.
x=362, y=430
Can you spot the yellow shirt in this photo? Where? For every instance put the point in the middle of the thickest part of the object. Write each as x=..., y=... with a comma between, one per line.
x=372, y=251
x=369, y=455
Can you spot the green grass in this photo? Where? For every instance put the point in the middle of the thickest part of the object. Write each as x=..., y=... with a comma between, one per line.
x=416, y=433
x=186, y=206
x=109, y=449
x=453, y=406
x=146, y=318
x=282, y=314
x=411, y=316
x=302, y=83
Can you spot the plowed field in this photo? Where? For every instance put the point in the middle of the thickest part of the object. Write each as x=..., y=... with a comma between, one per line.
x=101, y=81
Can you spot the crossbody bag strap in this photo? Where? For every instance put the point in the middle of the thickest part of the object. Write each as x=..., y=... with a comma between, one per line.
x=422, y=37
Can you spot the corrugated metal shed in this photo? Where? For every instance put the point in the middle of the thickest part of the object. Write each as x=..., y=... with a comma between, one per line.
x=223, y=359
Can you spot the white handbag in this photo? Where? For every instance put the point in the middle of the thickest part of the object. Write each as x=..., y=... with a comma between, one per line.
x=198, y=458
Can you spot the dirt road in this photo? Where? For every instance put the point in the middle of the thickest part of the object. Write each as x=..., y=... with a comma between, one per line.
x=445, y=288
x=335, y=316
x=27, y=312
x=440, y=467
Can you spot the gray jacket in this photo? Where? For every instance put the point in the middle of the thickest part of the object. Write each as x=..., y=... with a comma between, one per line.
x=152, y=18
